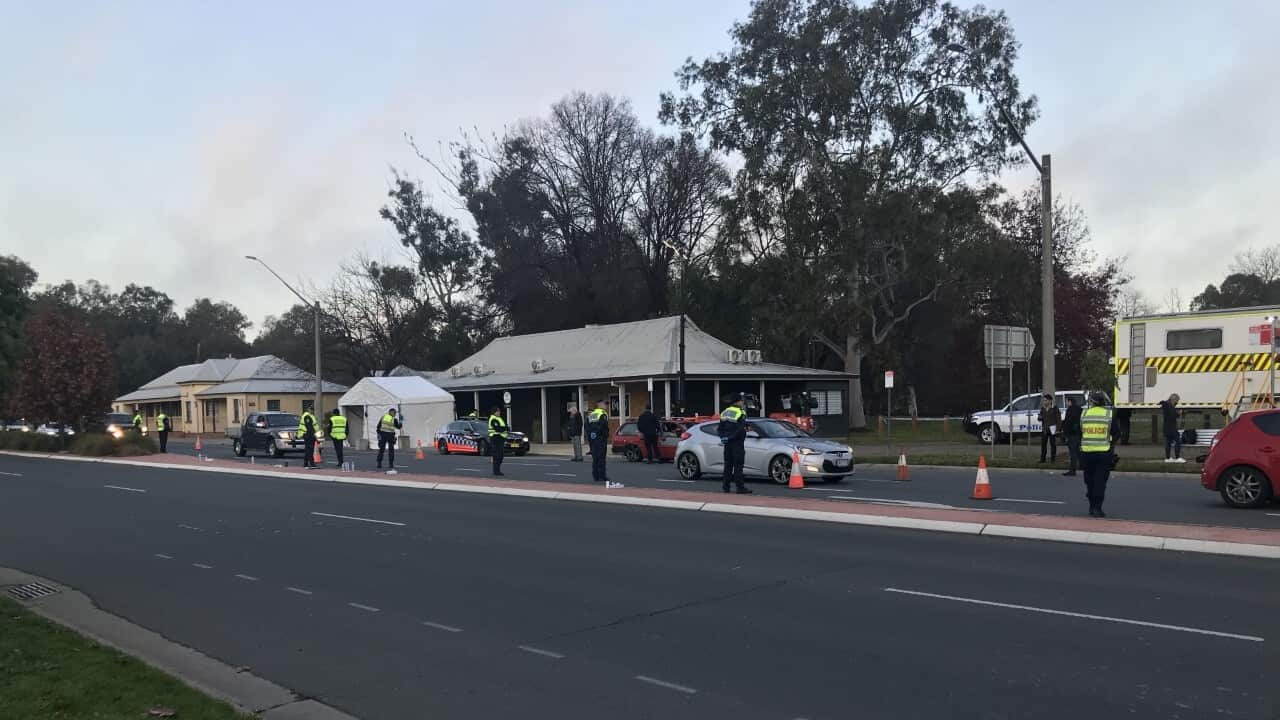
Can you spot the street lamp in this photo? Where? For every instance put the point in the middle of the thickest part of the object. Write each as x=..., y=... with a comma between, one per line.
x=318, y=409
x=685, y=255
x=1042, y=166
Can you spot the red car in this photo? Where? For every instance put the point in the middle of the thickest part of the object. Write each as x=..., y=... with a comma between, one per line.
x=629, y=442
x=1244, y=461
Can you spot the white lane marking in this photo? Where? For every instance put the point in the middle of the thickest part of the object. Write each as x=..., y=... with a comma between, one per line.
x=202, y=566
x=126, y=489
x=534, y=464
x=438, y=626
x=540, y=651
x=360, y=519
x=466, y=469
x=368, y=608
x=562, y=475
x=164, y=557
x=189, y=527
x=11, y=474
x=1041, y=502
x=665, y=684
x=824, y=489
x=300, y=591
x=1273, y=514
x=676, y=481
x=1083, y=616
x=250, y=578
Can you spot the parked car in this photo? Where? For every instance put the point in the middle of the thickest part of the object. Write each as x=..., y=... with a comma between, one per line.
x=55, y=429
x=274, y=433
x=471, y=436
x=17, y=426
x=629, y=443
x=1018, y=417
x=117, y=424
x=1243, y=464
x=770, y=446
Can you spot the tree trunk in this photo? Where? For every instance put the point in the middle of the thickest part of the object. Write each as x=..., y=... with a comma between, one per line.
x=853, y=364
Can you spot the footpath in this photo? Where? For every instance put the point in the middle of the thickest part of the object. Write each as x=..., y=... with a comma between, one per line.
x=990, y=523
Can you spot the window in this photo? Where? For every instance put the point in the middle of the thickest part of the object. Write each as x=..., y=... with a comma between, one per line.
x=1026, y=404
x=826, y=402
x=235, y=413
x=712, y=429
x=628, y=429
x=188, y=412
x=273, y=406
x=1268, y=423
x=1208, y=339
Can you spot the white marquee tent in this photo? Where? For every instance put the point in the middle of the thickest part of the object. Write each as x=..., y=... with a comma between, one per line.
x=423, y=407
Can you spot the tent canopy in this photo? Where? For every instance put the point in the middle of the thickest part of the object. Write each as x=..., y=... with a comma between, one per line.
x=392, y=391
x=424, y=408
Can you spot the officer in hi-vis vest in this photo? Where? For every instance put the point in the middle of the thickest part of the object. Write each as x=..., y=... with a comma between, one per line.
x=497, y=438
x=338, y=431
x=1096, y=458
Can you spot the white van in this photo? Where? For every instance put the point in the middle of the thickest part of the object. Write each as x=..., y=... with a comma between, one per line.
x=1018, y=417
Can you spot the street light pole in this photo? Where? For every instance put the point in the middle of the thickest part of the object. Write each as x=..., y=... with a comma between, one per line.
x=317, y=405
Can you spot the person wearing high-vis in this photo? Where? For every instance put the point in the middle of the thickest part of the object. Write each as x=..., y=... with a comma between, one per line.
x=388, y=429
x=597, y=439
x=139, y=425
x=497, y=438
x=1096, y=458
x=162, y=431
x=338, y=432
x=307, y=431
x=733, y=435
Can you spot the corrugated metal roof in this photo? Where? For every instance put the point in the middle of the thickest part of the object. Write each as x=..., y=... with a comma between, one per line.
x=647, y=348
x=261, y=374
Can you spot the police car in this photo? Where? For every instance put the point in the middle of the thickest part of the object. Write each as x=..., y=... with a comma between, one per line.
x=471, y=436
x=1018, y=417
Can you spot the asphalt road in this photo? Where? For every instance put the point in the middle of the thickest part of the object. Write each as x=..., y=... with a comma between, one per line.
x=395, y=603
x=1174, y=498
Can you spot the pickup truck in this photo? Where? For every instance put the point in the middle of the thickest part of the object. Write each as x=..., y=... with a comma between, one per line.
x=274, y=433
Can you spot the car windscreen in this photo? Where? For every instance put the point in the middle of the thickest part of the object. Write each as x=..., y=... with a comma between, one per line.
x=628, y=429
x=281, y=420
x=479, y=428
x=778, y=429
x=119, y=419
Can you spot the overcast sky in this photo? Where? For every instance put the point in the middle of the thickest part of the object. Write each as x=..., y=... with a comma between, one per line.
x=158, y=143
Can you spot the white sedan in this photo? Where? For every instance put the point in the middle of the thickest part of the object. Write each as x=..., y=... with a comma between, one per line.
x=770, y=447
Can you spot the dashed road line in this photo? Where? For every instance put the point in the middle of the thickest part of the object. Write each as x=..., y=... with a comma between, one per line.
x=438, y=626
x=1039, y=502
x=359, y=519
x=202, y=566
x=1082, y=616
x=164, y=557
x=540, y=651
x=126, y=489
x=366, y=608
x=9, y=474
x=668, y=685
x=562, y=475
x=300, y=591
x=250, y=578
x=190, y=527
x=466, y=469
x=825, y=489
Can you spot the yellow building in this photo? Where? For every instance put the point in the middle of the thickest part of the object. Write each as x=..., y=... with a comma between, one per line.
x=209, y=396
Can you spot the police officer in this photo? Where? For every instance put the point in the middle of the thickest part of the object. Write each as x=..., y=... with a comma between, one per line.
x=497, y=438
x=1096, y=457
x=733, y=434
x=388, y=430
x=138, y=425
x=338, y=431
x=597, y=437
x=162, y=430
x=307, y=430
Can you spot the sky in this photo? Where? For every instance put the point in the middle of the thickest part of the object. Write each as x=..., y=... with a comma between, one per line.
x=159, y=143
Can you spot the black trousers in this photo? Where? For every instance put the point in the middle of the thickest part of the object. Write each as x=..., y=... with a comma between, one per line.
x=309, y=451
x=598, y=457
x=337, y=449
x=1073, y=450
x=497, y=450
x=651, y=448
x=735, y=456
x=387, y=443
x=1172, y=444
x=1097, y=470
x=1048, y=441
x=164, y=441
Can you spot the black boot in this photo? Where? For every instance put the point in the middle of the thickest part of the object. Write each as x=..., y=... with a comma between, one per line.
x=744, y=490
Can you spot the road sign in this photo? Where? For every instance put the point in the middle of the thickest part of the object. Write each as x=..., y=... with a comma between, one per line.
x=888, y=378
x=1004, y=345
x=506, y=398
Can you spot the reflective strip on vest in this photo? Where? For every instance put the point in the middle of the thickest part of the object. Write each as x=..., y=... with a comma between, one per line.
x=596, y=415
x=733, y=413
x=338, y=427
x=497, y=426
x=1095, y=426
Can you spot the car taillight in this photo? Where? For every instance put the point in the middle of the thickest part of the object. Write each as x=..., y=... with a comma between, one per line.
x=685, y=435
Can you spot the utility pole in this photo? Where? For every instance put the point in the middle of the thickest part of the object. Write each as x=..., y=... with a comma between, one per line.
x=680, y=384
x=1047, y=346
x=317, y=404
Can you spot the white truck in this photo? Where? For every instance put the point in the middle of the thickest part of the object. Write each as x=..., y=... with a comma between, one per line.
x=1018, y=417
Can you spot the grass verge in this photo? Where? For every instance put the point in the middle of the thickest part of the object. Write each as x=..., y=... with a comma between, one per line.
x=1003, y=461
x=52, y=673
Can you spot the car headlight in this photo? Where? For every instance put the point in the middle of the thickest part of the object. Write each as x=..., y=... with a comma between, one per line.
x=808, y=451
x=283, y=434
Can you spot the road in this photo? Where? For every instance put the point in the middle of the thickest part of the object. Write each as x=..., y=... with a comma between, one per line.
x=397, y=603
x=1174, y=498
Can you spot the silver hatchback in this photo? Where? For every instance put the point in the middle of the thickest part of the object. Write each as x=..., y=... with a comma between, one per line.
x=770, y=446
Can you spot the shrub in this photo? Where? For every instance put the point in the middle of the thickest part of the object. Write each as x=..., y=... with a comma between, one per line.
x=106, y=446
x=29, y=441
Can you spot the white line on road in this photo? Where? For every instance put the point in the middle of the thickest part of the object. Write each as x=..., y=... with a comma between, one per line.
x=11, y=474
x=1083, y=616
x=677, y=481
x=1041, y=502
x=126, y=489
x=368, y=608
x=189, y=527
x=1273, y=514
x=539, y=651
x=438, y=626
x=824, y=489
x=164, y=557
x=562, y=475
x=202, y=566
x=360, y=519
x=466, y=469
x=300, y=591
x=665, y=684
x=250, y=578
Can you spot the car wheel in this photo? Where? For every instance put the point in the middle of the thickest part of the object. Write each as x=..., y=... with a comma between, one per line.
x=689, y=467
x=442, y=447
x=1244, y=487
x=522, y=452
x=986, y=432
x=482, y=448
x=237, y=447
x=780, y=469
x=632, y=453
x=274, y=449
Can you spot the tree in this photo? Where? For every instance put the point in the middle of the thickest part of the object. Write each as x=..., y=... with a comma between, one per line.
x=1238, y=290
x=852, y=124
x=1097, y=372
x=1132, y=303
x=381, y=317
x=291, y=337
x=1262, y=263
x=16, y=280
x=213, y=329
x=66, y=373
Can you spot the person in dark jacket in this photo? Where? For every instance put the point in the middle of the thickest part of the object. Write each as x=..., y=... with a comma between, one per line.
x=1050, y=421
x=1071, y=433
x=647, y=424
x=733, y=435
x=1172, y=439
x=598, y=437
x=574, y=428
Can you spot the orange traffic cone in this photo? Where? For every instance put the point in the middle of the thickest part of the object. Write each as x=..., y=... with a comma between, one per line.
x=421, y=455
x=982, y=484
x=797, y=480
x=315, y=456
x=199, y=446
x=904, y=472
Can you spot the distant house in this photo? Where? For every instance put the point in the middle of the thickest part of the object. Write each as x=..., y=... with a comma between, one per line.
x=629, y=365
x=207, y=396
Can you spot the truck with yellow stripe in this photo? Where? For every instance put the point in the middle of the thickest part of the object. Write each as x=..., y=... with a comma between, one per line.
x=1220, y=359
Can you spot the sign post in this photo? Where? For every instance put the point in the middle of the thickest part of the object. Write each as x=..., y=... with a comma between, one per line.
x=1004, y=345
x=888, y=385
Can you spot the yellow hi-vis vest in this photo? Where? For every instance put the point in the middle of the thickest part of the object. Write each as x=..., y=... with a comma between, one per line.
x=302, y=424
x=497, y=426
x=387, y=424
x=338, y=427
x=1095, y=426
x=161, y=420
x=733, y=413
